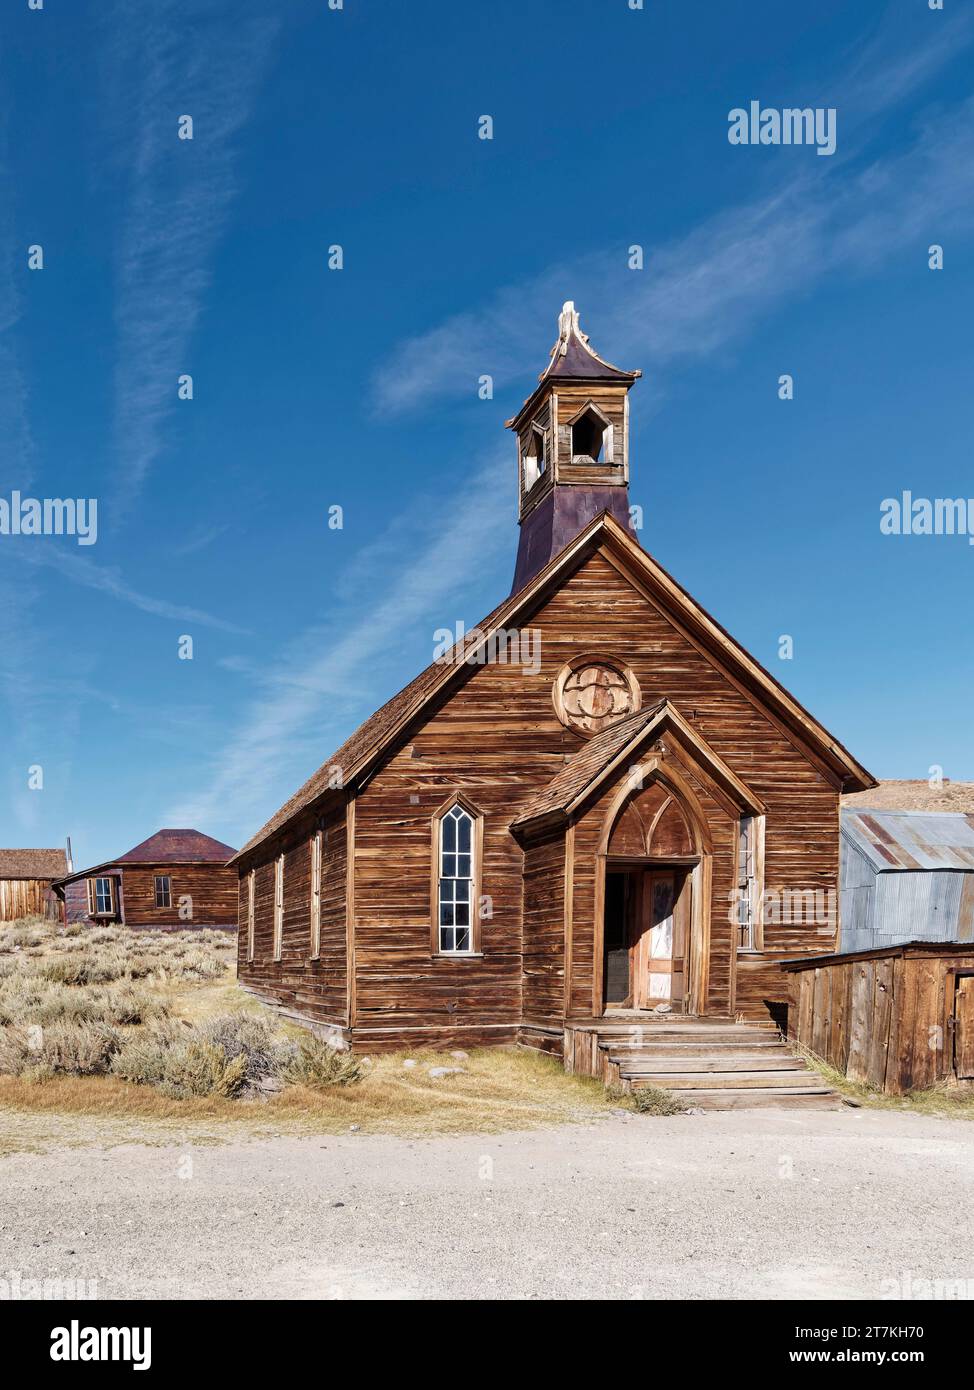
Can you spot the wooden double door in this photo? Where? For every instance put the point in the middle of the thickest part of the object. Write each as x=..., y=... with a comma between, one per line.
x=647, y=917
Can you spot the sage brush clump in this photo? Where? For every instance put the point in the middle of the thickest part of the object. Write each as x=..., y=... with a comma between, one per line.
x=86, y=1003
x=314, y=1062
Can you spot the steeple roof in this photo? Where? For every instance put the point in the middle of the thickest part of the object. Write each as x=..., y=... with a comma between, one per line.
x=572, y=356
x=574, y=359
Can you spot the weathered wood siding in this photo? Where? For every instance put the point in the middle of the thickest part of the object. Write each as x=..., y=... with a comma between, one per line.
x=881, y=1018
x=497, y=740
x=209, y=891
x=317, y=988
x=27, y=897
x=543, y=982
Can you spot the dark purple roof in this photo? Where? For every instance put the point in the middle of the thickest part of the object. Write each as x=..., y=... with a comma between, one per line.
x=578, y=360
x=178, y=847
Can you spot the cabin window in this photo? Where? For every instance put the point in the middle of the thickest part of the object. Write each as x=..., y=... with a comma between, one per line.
x=591, y=437
x=456, y=881
x=250, y=915
x=316, y=895
x=278, y=905
x=750, y=857
x=163, y=890
x=101, y=897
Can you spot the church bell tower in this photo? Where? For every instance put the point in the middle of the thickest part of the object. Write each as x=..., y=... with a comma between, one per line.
x=573, y=448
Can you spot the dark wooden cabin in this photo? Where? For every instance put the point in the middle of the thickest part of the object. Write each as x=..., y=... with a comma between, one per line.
x=26, y=876
x=175, y=879
x=597, y=803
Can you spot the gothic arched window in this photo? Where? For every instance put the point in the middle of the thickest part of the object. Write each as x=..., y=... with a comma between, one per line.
x=457, y=843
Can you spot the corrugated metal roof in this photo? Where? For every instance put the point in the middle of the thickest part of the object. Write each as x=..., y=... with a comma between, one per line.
x=918, y=840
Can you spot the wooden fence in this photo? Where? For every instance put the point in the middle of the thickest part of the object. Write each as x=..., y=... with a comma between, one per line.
x=899, y=1019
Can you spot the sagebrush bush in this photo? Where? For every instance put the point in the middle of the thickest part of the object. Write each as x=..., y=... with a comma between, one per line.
x=181, y=1064
x=19, y=935
x=251, y=1037
x=78, y=1049
x=649, y=1100
x=71, y=1049
x=62, y=1006
x=317, y=1063
x=15, y=1050
x=26, y=999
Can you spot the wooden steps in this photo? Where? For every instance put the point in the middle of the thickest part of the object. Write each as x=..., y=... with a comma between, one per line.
x=710, y=1064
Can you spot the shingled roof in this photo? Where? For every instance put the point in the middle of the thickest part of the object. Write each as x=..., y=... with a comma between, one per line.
x=371, y=739
x=178, y=847
x=370, y=734
x=33, y=863
x=584, y=767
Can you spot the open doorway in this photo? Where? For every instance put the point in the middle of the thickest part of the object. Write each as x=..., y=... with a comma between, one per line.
x=646, y=930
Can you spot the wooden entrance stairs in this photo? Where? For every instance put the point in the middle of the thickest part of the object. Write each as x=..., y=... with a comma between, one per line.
x=710, y=1064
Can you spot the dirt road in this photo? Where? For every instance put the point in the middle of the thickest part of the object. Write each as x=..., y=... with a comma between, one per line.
x=770, y=1205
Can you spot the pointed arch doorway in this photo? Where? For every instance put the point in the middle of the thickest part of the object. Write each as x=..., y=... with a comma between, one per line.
x=653, y=874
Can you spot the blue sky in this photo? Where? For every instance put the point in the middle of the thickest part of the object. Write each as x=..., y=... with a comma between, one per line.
x=358, y=388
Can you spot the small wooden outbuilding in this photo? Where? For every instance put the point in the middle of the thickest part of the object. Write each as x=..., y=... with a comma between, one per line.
x=906, y=876
x=900, y=1018
x=175, y=879
x=26, y=876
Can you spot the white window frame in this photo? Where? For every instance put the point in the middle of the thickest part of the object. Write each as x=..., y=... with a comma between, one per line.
x=167, y=880
x=448, y=896
x=278, y=945
x=316, y=895
x=97, y=911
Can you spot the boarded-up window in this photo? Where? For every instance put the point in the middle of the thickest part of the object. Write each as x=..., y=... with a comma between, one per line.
x=316, y=894
x=278, y=905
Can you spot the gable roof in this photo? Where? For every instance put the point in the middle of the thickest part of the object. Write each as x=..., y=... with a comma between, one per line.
x=899, y=840
x=359, y=753
x=178, y=847
x=33, y=863
x=585, y=767
x=589, y=767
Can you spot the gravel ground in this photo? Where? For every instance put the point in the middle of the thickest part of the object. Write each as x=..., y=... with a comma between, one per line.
x=740, y=1205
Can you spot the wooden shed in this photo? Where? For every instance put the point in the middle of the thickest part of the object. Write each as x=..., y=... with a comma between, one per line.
x=26, y=876
x=900, y=1018
x=174, y=880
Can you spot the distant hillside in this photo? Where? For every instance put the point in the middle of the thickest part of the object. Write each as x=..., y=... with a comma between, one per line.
x=915, y=796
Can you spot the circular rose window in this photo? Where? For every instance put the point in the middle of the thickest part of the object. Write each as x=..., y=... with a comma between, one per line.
x=593, y=692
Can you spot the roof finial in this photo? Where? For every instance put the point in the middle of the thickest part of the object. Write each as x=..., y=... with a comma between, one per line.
x=567, y=325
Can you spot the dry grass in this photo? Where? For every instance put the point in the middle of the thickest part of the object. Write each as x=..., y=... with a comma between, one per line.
x=192, y=1062
x=950, y=1100
x=913, y=796
x=499, y=1090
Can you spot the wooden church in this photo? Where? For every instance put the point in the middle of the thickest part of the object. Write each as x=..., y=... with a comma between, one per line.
x=594, y=807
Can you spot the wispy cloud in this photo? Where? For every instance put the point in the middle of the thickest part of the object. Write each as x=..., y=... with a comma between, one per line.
x=717, y=281
x=107, y=579
x=313, y=692
x=179, y=194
